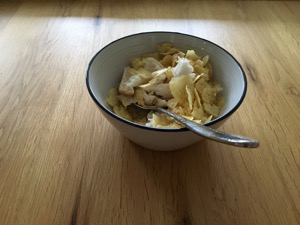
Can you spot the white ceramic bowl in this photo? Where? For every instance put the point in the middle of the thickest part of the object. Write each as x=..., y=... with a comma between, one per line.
x=105, y=71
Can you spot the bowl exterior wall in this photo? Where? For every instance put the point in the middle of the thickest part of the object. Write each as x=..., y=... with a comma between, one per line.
x=156, y=140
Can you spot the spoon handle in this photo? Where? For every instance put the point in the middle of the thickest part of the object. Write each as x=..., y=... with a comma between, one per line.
x=212, y=134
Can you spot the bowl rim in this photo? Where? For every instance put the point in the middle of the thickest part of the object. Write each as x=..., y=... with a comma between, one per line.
x=218, y=119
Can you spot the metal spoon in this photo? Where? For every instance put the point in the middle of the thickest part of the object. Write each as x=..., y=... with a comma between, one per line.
x=205, y=131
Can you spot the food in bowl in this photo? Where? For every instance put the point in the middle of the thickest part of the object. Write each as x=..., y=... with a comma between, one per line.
x=180, y=81
x=105, y=70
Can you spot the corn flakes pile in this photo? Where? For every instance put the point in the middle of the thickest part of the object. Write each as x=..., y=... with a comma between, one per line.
x=169, y=78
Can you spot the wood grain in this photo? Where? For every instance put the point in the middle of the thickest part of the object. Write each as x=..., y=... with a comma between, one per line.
x=61, y=162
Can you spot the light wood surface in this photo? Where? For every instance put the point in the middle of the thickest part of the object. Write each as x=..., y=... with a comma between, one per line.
x=62, y=163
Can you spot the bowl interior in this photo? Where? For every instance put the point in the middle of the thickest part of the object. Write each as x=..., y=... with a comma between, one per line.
x=106, y=68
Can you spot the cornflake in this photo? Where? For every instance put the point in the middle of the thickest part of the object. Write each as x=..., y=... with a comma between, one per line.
x=169, y=78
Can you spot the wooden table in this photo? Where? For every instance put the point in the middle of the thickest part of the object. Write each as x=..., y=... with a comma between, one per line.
x=61, y=162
